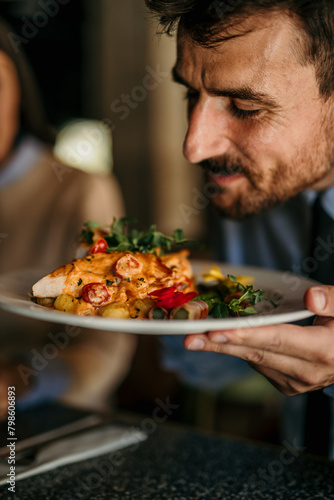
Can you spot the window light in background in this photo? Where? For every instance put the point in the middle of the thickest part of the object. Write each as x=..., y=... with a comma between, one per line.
x=86, y=145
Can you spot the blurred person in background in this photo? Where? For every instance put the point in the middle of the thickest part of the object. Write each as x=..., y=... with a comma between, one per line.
x=259, y=85
x=43, y=205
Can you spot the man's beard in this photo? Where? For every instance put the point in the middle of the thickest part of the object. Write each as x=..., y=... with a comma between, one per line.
x=265, y=192
x=256, y=200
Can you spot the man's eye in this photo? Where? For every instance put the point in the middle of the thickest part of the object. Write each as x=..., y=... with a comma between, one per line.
x=243, y=114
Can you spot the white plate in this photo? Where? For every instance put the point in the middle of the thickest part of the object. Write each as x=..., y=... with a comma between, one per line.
x=285, y=289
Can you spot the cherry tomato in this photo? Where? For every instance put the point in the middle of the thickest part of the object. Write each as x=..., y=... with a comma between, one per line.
x=127, y=266
x=95, y=294
x=100, y=246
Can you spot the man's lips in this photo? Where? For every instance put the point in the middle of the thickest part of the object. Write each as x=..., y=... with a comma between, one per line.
x=223, y=179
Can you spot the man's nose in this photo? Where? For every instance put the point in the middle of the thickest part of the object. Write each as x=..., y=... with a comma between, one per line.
x=207, y=134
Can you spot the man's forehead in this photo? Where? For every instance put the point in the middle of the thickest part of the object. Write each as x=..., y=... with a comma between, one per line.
x=264, y=41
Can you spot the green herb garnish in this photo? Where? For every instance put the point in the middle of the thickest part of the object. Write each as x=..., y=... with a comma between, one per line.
x=212, y=298
x=121, y=238
x=215, y=297
x=220, y=310
x=248, y=294
x=87, y=233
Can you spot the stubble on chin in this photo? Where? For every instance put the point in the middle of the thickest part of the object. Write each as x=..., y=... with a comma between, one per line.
x=243, y=207
x=248, y=200
x=311, y=165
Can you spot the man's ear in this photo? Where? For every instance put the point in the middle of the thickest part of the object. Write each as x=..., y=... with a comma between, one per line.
x=9, y=105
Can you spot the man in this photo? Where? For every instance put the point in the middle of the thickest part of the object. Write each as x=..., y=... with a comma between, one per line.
x=259, y=83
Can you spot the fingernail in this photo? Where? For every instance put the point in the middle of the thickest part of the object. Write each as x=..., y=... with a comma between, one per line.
x=319, y=299
x=196, y=345
x=220, y=338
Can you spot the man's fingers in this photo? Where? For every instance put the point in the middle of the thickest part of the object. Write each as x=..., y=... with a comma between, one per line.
x=314, y=343
x=290, y=375
x=256, y=356
x=195, y=342
x=320, y=300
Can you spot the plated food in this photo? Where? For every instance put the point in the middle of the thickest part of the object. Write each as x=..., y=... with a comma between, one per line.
x=131, y=274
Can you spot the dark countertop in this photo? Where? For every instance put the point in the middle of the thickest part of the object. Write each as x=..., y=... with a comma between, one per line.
x=180, y=463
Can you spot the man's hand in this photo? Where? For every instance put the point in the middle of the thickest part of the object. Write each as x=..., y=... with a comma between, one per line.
x=295, y=359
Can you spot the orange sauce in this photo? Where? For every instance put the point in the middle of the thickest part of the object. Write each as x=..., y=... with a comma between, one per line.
x=155, y=272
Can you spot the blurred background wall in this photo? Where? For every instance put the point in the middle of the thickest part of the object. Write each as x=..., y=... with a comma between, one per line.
x=102, y=59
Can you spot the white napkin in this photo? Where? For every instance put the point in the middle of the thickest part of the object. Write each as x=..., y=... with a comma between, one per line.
x=88, y=444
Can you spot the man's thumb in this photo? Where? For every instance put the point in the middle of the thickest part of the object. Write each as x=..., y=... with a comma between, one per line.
x=320, y=300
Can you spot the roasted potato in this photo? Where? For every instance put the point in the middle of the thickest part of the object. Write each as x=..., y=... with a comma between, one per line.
x=116, y=310
x=66, y=303
x=144, y=305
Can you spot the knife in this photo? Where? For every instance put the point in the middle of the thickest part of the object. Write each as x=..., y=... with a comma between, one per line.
x=49, y=436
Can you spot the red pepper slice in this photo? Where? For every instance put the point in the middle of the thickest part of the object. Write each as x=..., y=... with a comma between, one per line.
x=170, y=297
x=100, y=246
x=163, y=292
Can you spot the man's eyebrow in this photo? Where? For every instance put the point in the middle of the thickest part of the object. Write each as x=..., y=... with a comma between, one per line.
x=242, y=93
x=245, y=94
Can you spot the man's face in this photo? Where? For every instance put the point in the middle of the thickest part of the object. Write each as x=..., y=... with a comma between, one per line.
x=257, y=123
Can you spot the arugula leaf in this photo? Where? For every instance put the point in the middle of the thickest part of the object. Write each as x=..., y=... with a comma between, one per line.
x=248, y=294
x=92, y=224
x=178, y=236
x=87, y=233
x=212, y=298
x=121, y=238
x=119, y=226
x=87, y=236
x=232, y=278
x=221, y=310
x=249, y=310
x=215, y=298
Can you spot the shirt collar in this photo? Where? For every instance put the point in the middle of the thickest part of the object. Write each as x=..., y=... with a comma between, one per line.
x=326, y=198
x=327, y=201
x=24, y=159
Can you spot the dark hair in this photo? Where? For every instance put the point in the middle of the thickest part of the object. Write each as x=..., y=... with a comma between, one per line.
x=208, y=21
x=33, y=115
